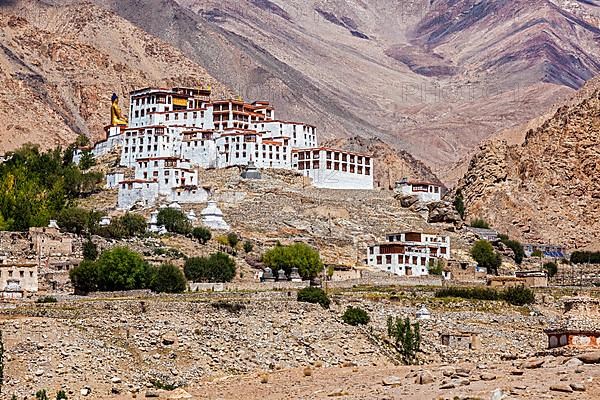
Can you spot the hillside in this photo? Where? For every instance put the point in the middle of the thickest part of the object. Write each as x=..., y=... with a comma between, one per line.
x=432, y=78
x=59, y=66
x=545, y=189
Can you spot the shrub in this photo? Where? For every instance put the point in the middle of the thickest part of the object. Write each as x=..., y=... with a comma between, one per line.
x=202, y=234
x=551, y=268
x=355, y=316
x=84, y=277
x=584, y=257
x=436, y=267
x=90, y=250
x=518, y=295
x=46, y=299
x=61, y=395
x=515, y=246
x=297, y=255
x=233, y=239
x=133, y=224
x=486, y=256
x=539, y=254
x=477, y=293
x=479, y=223
x=41, y=395
x=459, y=203
x=406, y=337
x=314, y=295
x=74, y=220
x=87, y=160
x=168, y=279
x=174, y=221
x=115, y=269
x=218, y=267
x=248, y=246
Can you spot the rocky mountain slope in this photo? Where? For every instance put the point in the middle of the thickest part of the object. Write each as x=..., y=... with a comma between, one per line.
x=545, y=189
x=433, y=78
x=59, y=66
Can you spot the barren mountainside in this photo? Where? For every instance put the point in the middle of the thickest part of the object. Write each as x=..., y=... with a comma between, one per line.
x=545, y=189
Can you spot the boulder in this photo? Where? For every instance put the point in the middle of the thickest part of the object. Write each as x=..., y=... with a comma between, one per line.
x=442, y=211
x=590, y=358
x=577, y=387
x=392, y=381
x=533, y=364
x=407, y=200
x=169, y=338
x=424, y=378
x=561, y=388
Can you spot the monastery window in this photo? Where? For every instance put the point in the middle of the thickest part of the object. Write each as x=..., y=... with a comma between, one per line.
x=360, y=169
x=156, y=163
x=328, y=166
x=10, y=274
x=141, y=149
x=367, y=171
x=422, y=260
x=237, y=155
x=167, y=172
x=166, y=181
x=22, y=274
x=155, y=173
x=352, y=168
x=379, y=260
x=142, y=113
x=264, y=155
x=329, y=155
x=436, y=189
x=256, y=155
x=167, y=116
x=176, y=173
x=315, y=165
x=149, y=147
x=388, y=259
x=336, y=156
x=351, y=158
x=285, y=157
x=344, y=157
x=344, y=167
x=137, y=114
x=244, y=154
x=194, y=115
x=126, y=149
x=336, y=166
x=371, y=250
x=277, y=156
x=184, y=115
x=31, y=274
x=367, y=160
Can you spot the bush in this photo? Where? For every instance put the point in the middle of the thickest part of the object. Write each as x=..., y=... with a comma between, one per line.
x=355, y=316
x=84, y=277
x=314, y=295
x=551, y=268
x=539, y=254
x=406, y=337
x=477, y=293
x=585, y=257
x=436, y=267
x=61, y=395
x=90, y=250
x=202, y=234
x=74, y=220
x=168, y=279
x=479, y=223
x=41, y=395
x=233, y=239
x=518, y=295
x=133, y=224
x=516, y=247
x=87, y=160
x=218, y=267
x=459, y=203
x=248, y=246
x=174, y=221
x=297, y=255
x=46, y=299
x=486, y=256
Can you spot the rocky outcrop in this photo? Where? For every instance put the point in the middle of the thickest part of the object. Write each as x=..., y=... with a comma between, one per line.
x=546, y=189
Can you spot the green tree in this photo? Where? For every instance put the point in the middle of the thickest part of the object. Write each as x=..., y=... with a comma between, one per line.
x=174, y=221
x=518, y=295
x=406, y=337
x=297, y=255
x=355, y=316
x=233, y=239
x=248, y=246
x=134, y=224
x=168, y=279
x=459, y=203
x=90, y=250
x=313, y=295
x=122, y=269
x=82, y=141
x=551, y=267
x=485, y=255
x=61, y=395
x=479, y=223
x=436, y=267
x=516, y=247
x=87, y=160
x=218, y=267
x=84, y=277
x=537, y=253
x=41, y=395
x=202, y=234
x=74, y=220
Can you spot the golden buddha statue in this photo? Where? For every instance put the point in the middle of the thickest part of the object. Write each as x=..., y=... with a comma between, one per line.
x=116, y=117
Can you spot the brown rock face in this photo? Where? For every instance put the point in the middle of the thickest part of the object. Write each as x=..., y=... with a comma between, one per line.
x=546, y=189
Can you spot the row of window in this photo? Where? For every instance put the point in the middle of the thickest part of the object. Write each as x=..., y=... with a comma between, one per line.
x=335, y=166
x=264, y=156
x=329, y=155
x=401, y=259
x=21, y=274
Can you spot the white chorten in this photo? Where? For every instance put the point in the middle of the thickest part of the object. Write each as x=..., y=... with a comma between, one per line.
x=212, y=217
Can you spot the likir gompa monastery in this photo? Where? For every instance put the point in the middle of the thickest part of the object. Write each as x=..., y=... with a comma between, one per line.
x=172, y=132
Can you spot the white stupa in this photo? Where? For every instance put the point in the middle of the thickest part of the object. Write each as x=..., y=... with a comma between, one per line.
x=423, y=313
x=191, y=216
x=175, y=205
x=212, y=217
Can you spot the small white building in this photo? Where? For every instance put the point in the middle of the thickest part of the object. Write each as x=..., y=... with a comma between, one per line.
x=334, y=169
x=408, y=253
x=18, y=279
x=425, y=191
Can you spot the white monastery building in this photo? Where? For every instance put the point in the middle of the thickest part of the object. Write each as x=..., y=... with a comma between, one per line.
x=172, y=132
x=425, y=191
x=408, y=253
